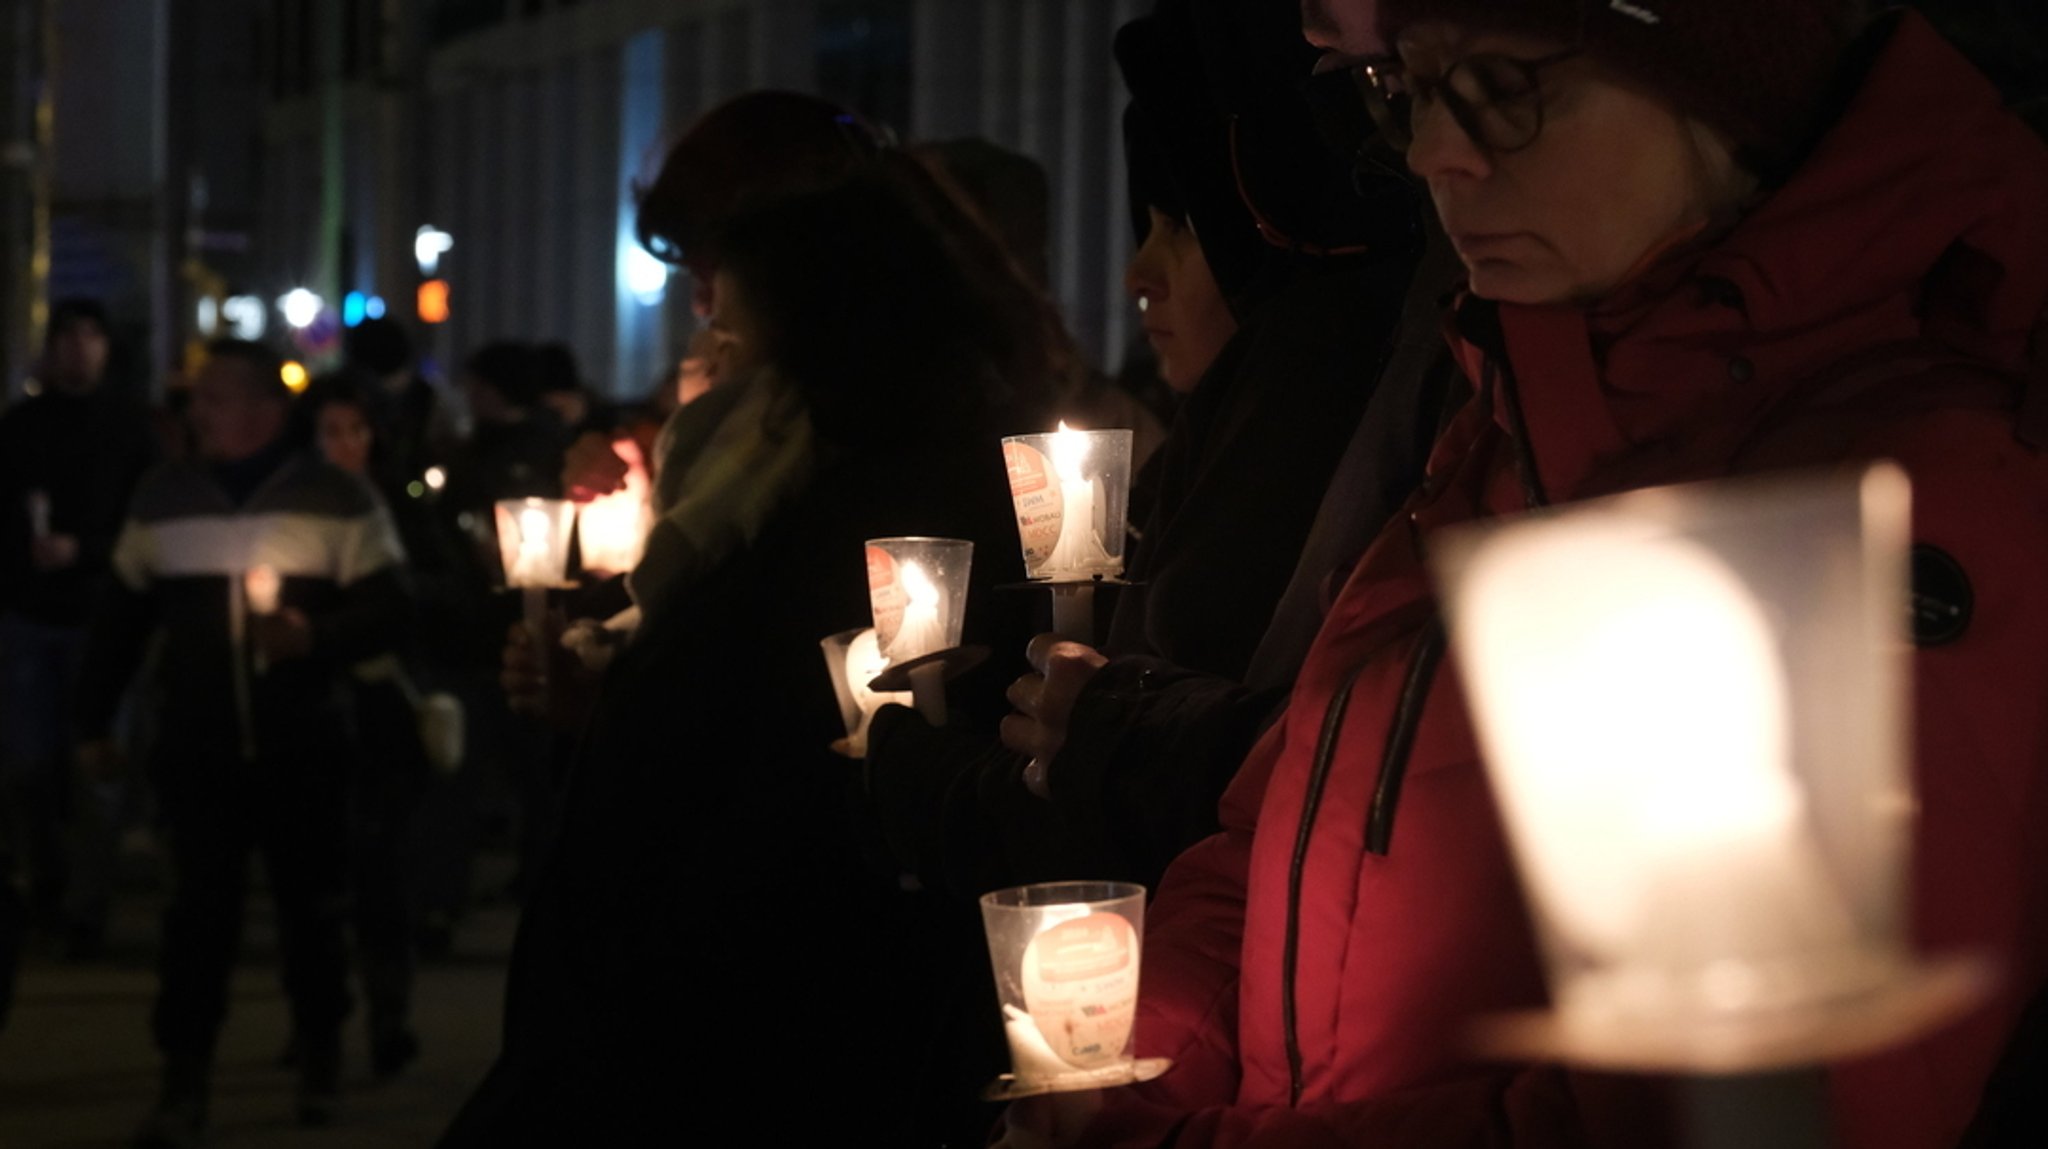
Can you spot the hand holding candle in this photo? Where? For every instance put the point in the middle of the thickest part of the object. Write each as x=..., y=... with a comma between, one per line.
x=1045, y=702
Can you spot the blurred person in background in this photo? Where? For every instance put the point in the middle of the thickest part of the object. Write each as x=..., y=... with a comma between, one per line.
x=413, y=426
x=253, y=753
x=564, y=391
x=392, y=770
x=70, y=456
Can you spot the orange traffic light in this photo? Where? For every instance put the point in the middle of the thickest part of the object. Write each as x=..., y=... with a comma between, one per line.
x=433, y=301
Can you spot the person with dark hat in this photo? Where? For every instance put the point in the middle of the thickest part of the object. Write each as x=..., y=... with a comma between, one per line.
x=413, y=427
x=1702, y=240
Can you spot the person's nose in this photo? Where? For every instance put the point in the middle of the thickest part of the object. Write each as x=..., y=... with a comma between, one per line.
x=1440, y=148
x=1145, y=275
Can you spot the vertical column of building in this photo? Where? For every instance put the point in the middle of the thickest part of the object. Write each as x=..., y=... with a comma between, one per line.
x=641, y=281
x=1001, y=95
x=1083, y=187
x=550, y=246
x=23, y=68
x=782, y=51
x=945, y=81
x=595, y=169
x=1119, y=317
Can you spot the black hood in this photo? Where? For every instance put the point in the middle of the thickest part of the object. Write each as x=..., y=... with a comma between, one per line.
x=1219, y=124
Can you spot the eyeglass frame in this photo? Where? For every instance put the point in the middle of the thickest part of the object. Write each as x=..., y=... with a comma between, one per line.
x=1370, y=77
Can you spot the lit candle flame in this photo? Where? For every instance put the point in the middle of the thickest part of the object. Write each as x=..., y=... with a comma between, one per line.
x=921, y=633
x=1069, y=451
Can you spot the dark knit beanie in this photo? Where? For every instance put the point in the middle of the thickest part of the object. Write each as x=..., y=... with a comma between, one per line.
x=1759, y=71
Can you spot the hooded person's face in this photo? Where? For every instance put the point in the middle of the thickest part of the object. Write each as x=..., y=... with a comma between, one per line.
x=1184, y=315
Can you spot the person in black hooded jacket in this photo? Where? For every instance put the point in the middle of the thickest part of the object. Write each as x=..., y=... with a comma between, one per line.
x=1219, y=137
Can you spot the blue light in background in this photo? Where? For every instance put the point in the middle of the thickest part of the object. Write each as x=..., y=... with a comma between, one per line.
x=373, y=307
x=352, y=308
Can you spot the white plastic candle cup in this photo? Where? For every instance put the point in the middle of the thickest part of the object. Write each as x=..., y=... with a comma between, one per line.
x=533, y=540
x=1066, y=958
x=852, y=659
x=917, y=588
x=1691, y=702
x=1072, y=492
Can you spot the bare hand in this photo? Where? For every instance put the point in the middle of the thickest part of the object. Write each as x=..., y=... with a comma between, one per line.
x=592, y=468
x=54, y=552
x=100, y=760
x=283, y=634
x=1045, y=702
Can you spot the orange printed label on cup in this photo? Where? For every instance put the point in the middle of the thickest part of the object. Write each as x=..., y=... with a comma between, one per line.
x=1035, y=491
x=886, y=595
x=1081, y=988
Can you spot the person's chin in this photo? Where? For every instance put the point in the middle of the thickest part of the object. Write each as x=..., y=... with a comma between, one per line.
x=1510, y=281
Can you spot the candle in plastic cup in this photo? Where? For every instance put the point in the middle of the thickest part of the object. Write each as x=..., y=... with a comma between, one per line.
x=1066, y=958
x=1071, y=493
x=852, y=660
x=917, y=588
x=533, y=540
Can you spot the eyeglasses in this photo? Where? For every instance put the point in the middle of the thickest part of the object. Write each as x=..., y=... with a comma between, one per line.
x=1496, y=100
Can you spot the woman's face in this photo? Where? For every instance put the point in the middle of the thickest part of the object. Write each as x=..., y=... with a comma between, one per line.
x=344, y=437
x=740, y=341
x=1613, y=177
x=1185, y=318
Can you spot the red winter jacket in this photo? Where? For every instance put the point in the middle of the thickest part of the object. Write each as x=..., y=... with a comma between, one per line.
x=1315, y=967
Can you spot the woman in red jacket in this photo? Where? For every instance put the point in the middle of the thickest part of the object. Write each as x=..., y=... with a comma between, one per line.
x=1703, y=239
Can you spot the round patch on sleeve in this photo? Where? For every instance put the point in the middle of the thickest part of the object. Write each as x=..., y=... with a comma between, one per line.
x=1942, y=599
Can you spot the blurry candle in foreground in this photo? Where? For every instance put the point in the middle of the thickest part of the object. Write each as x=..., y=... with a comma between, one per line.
x=612, y=529
x=1690, y=702
x=533, y=544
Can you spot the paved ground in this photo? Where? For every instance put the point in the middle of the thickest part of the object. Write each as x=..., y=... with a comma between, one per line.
x=77, y=1070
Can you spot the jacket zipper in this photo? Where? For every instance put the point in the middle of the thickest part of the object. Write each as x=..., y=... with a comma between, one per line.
x=1319, y=773
x=1400, y=744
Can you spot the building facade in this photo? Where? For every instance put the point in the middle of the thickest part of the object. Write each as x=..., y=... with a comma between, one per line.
x=520, y=128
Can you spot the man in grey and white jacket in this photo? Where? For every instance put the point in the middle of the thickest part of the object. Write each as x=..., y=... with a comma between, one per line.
x=268, y=573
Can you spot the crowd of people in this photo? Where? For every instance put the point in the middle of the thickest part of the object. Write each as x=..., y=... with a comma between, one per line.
x=1401, y=265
